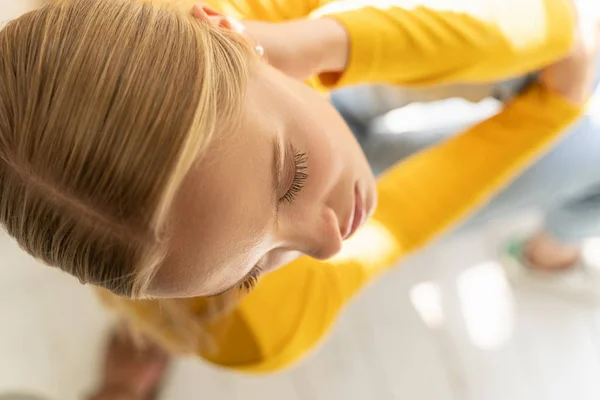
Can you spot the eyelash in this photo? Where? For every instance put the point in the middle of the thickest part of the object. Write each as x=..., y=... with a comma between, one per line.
x=250, y=282
x=300, y=161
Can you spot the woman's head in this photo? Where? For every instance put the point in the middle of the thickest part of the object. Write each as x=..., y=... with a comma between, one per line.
x=152, y=154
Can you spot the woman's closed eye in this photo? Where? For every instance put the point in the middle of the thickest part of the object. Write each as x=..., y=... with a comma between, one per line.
x=299, y=177
x=250, y=280
x=245, y=285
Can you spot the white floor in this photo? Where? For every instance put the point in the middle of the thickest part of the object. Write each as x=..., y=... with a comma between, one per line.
x=444, y=325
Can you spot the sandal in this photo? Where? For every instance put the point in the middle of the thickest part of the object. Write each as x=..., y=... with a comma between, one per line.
x=579, y=281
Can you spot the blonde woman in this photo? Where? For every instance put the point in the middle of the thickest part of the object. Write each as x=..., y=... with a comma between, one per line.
x=157, y=151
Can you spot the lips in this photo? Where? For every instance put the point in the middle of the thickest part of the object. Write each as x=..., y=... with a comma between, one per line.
x=358, y=214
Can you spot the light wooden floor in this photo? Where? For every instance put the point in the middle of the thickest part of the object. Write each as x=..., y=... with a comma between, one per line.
x=444, y=325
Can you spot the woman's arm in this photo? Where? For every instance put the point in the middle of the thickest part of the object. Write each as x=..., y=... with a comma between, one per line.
x=416, y=42
x=472, y=41
x=419, y=42
x=417, y=202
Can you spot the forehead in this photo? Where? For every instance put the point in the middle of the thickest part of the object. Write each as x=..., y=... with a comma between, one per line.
x=221, y=216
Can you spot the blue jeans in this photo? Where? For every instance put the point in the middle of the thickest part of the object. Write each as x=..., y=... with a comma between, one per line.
x=564, y=184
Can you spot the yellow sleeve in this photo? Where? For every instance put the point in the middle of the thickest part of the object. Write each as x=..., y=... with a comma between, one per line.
x=293, y=308
x=427, y=42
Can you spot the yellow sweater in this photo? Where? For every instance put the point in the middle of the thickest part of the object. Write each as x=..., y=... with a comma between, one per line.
x=407, y=43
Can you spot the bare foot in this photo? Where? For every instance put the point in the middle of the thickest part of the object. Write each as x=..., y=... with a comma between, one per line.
x=131, y=371
x=543, y=252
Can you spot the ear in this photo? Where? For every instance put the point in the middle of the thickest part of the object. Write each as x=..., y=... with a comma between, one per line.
x=204, y=12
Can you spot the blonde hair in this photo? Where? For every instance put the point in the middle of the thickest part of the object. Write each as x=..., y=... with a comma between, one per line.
x=104, y=106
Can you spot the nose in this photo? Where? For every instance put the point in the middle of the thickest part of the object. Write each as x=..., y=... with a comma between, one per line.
x=320, y=238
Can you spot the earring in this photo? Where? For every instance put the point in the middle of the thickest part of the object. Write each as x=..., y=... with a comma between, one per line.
x=259, y=50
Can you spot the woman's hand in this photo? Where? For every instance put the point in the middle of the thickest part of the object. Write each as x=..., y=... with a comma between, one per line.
x=573, y=77
x=302, y=48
